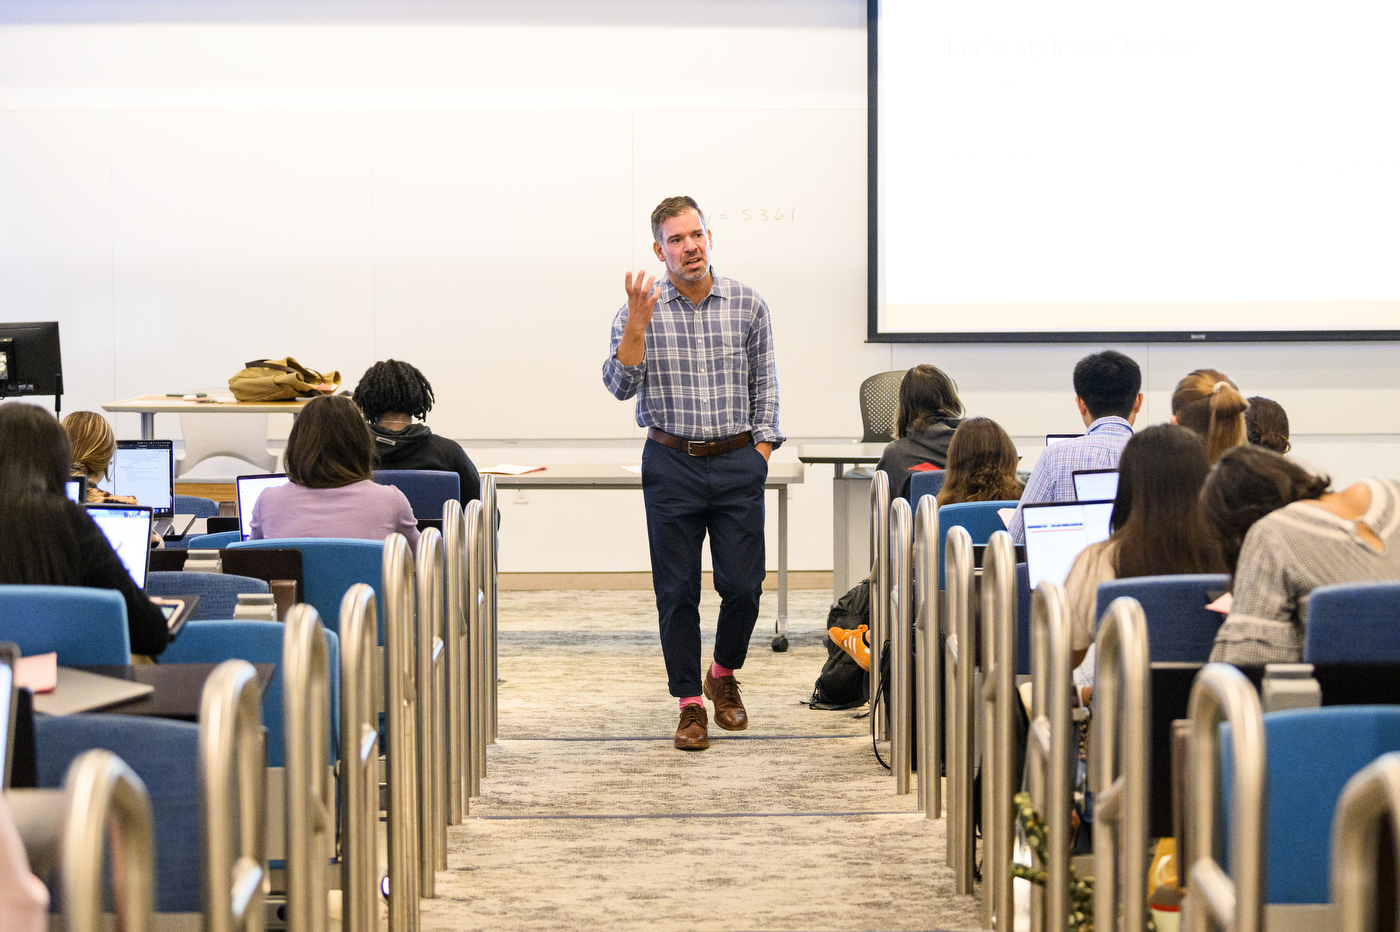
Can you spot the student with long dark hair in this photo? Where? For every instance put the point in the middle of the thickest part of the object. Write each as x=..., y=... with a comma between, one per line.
x=50, y=541
x=332, y=492
x=928, y=412
x=1266, y=424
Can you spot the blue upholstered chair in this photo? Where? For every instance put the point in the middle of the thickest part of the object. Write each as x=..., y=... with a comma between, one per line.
x=1179, y=627
x=979, y=518
x=193, y=505
x=427, y=490
x=164, y=754
x=925, y=483
x=85, y=626
x=1353, y=623
x=218, y=592
x=331, y=565
x=214, y=541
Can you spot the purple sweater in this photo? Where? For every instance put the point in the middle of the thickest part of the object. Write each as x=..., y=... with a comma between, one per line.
x=363, y=510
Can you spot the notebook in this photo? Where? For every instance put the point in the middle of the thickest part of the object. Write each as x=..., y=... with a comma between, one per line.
x=145, y=470
x=128, y=530
x=248, y=489
x=1095, y=485
x=1057, y=531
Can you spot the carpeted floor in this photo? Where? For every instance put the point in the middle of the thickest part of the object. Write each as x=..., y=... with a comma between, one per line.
x=590, y=819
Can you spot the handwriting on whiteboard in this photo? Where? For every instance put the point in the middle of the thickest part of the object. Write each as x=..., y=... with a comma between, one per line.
x=754, y=215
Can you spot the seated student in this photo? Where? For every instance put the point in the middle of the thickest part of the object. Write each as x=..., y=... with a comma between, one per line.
x=924, y=422
x=1310, y=538
x=1266, y=424
x=392, y=394
x=331, y=493
x=1107, y=391
x=1208, y=403
x=93, y=445
x=50, y=540
x=981, y=464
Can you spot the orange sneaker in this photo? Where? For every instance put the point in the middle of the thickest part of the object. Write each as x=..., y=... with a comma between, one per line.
x=852, y=641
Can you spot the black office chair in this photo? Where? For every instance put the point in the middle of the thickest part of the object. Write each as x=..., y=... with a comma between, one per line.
x=879, y=400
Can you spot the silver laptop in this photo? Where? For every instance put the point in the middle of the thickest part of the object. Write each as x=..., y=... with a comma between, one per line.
x=128, y=530
x=248, y=489
x=145, y=470
x=1095, y=485
x=1057, y=531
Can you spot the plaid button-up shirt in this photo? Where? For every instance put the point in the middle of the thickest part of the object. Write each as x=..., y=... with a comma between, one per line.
x=1052, y=480
x=709, y=371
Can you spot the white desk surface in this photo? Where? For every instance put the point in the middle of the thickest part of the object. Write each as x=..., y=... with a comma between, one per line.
x=841, y=452
x=612, y=475
x=214, y=404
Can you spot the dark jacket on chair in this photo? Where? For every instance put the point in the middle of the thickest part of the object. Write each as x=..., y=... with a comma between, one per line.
x=926, y=446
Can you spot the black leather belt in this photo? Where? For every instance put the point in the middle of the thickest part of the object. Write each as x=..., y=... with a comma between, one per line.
x=700, y=447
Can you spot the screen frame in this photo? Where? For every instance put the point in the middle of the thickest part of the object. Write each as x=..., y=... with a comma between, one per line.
x=37, y=347
x=244, y=533
x=875, y=270
x=169, y=447
x=9, y=655
x=1030, y=506
x=150, y=524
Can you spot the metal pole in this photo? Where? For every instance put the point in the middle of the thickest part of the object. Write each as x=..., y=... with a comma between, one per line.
x=359, y=766
x=488, y=586
x=310, y=801
x=999, y=721
x=232, y=786
x=1050, y=750
x=432, y=832
x=401, y=712
x=454, y=552
x=901, y=610
x=476, y=640
x=930, y=680
x=1369, y=805
x=1235, y=900
x=1121, y=767
x=879, y=588
x=961, y=646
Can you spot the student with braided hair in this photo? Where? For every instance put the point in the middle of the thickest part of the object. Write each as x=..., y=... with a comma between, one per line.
x=1207, y=403
x=393, y=394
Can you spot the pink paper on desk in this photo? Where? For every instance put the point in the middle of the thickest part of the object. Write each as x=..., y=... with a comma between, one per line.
x=38, y=673
x=1223, y=605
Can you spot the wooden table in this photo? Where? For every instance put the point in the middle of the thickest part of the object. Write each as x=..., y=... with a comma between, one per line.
x=850, y=508
x=616, y=476
x=148, y=406
x=179, y=687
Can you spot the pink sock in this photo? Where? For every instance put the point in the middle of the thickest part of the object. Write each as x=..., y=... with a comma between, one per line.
x=692, y=700
x=716, y=671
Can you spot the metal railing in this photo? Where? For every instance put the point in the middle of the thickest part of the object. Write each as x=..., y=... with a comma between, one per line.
x=488, y=609
x=998, y=723
x=310, y=806
x=66, y=831
x=401, y=713
x=476, y=649
x=928, y=679
x=879, y=586
x=432, y=831
x=232, y=784
x=1050, y=750
x=1369, y=805
x=900, y=612
x=1121, y=767
x=961, y=652
x=359, y=764
x=454, y=552
x=1213, y=898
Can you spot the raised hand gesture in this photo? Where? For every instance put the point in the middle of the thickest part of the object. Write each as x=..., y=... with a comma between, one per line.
x=641, y=300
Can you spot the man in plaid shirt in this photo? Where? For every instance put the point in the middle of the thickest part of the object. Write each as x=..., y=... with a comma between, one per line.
x=697, y=352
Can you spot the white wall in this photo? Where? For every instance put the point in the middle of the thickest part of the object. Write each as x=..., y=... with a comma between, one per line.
x=189, y=185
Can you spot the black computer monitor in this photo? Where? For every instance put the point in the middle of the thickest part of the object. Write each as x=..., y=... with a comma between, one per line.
x=30, y=361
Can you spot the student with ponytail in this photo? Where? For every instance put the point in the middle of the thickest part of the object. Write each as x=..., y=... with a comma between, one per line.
x=1209, y=404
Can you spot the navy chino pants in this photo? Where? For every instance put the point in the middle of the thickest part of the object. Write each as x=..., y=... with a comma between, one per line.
x=686, y=497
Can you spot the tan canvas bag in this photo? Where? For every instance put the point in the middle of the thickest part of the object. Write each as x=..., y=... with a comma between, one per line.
x=280, y=380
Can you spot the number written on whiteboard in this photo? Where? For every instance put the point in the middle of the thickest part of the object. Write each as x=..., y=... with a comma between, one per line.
x=754, y=215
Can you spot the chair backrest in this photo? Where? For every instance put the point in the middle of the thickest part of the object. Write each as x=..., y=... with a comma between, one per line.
x=925, y=483
x=164, y=754
x=330, y=566
x=1023, y=619
x=879, y=398
x=85, y=626
x=255, y=642
x=193, y=505
x=241, y=436
x=218, y=592
x=427, y=490
x=214, y=541
x=979, y=518
x=1179, y=627
x=1353, y=623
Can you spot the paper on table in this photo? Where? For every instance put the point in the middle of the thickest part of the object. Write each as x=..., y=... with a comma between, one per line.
x=1006, y=514
x=635, y=469
x=38, y=673
x=509, y=469
x=1223, y=605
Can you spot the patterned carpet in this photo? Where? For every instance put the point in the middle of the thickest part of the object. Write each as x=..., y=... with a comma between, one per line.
x=590, y=819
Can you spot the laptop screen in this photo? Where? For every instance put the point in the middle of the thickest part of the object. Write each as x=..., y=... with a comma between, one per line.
x=249, y=488
x=1055, y=533
x=8, y=655
x=128, y=530
x=1095, y=485
x=76, y=489
x=1056, y=438
x=145, y=469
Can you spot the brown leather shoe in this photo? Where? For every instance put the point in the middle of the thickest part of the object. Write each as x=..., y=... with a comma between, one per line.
x=693, y=733
x=729, y=708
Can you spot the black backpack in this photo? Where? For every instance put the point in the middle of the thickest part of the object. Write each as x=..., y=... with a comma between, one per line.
x=842, y=683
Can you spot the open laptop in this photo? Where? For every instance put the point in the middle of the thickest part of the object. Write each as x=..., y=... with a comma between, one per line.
x=76, y=489
x=1095, y=485
x=1057, y=531
x=145, y=470
x=9, y=653
x=128, y=530
x=1056, y=438
x=248, y=489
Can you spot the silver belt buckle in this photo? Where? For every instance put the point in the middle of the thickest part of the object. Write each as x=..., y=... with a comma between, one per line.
x=688, y=450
